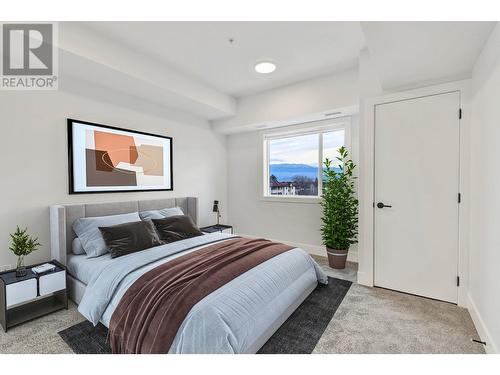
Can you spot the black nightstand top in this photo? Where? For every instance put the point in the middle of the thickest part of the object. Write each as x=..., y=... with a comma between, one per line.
x=216, y=228
x=9, y=277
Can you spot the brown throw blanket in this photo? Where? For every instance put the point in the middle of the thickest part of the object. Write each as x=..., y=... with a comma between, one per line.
x=150, y=313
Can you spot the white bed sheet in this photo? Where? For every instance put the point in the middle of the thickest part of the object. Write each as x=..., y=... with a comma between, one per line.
x=82, y=268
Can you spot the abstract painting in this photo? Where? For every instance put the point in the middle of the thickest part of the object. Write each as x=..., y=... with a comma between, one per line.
x=109, y=159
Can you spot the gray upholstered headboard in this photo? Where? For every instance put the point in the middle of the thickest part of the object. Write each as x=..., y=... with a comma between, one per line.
x=62, y=217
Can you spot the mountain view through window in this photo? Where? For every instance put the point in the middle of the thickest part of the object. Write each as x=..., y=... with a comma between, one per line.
x=293, y=162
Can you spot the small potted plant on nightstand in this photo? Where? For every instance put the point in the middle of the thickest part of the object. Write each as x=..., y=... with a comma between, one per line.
x=340, y=209
x=22, y=245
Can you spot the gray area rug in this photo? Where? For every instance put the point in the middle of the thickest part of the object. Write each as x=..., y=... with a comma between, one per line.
x=84, y=338
x=302, y=330
x=299, y=334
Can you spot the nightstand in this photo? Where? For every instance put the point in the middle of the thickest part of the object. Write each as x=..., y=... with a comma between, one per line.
x=218, y=228
x=32, y=296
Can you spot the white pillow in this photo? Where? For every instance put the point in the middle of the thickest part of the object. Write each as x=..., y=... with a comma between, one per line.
x=87, y=230
x=77, y=247
x=160, y=214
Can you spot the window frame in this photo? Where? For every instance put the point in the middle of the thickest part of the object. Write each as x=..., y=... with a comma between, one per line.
x=316, y=127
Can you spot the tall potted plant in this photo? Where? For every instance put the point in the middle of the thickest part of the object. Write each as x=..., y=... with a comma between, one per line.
x=340, y=209
x=22, y=245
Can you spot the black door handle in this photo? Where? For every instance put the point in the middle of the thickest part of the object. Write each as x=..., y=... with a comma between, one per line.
x=381, y=205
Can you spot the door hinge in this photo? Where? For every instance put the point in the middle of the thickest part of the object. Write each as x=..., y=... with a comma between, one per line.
x=460, y=113
x=458, y=280
x=459, y=198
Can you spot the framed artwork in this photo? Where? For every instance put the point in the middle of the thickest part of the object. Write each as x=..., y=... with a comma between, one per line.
x=107, y=159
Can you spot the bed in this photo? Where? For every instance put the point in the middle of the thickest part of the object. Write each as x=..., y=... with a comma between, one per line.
x=238, y=317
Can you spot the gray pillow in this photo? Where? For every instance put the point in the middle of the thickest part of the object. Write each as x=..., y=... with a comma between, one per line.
x=87, y=229
x=123, y=239
x=160, y=214
x=176, y=228
x=76, y=247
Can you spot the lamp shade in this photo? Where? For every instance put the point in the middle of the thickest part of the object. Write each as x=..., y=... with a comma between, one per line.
x=216, y=206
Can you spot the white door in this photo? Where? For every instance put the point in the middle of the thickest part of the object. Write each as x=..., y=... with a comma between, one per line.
x=417, y=174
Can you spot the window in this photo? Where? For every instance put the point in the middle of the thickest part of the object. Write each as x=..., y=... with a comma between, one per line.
x=293, y=160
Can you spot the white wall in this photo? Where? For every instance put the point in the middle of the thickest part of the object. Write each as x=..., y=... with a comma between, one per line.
x=35, y=170
x=315, y=95
x=368, y=79
x=484, y=278
x=369, y=87
x=295, y=223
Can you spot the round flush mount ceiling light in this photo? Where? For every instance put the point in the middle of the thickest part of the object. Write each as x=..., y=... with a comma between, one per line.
x=265, y=67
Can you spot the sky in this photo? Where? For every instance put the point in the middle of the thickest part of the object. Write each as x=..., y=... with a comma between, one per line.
x=303, y=149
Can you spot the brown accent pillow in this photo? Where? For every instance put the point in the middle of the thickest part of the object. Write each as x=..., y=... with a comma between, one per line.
x=127, y=238
x=176, y=228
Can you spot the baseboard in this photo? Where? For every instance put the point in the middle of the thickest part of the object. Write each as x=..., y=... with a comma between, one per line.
x=363, y=279
x=352, y=256
x=490, y=347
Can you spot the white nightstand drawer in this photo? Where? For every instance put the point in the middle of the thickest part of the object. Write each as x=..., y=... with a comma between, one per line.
x=52, y=282
x=20, y=292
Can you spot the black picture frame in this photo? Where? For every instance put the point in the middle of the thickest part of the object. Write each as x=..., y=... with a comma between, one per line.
x=70, y=122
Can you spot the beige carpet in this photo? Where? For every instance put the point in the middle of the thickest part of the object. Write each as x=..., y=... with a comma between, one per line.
x=369, y=320
x=40, y=335
x=374, y=320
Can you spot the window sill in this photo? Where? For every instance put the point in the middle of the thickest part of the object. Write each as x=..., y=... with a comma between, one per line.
x=290, y=199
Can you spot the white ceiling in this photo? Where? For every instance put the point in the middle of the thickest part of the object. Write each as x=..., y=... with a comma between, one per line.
x=301, y=50
x=409, y=54
x=193, y=68
x=94, y=58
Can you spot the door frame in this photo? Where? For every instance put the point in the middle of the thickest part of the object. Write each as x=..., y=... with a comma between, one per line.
x=366, y=246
